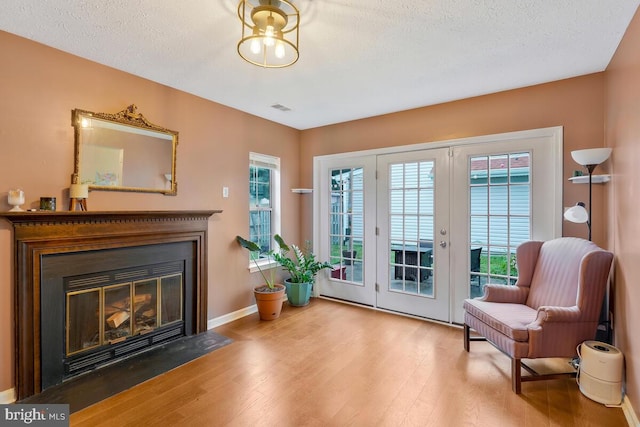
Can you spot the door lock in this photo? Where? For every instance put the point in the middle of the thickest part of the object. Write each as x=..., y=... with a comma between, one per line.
x=443, y=244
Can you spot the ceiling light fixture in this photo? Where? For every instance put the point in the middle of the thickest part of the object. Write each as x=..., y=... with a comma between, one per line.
x=270, y=32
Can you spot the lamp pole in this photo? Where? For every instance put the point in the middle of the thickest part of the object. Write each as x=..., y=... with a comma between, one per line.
x=590, y=168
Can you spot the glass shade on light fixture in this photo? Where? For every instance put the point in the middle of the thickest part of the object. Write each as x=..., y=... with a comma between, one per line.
x=577, y=214
x=270, y=32
x=591, y=156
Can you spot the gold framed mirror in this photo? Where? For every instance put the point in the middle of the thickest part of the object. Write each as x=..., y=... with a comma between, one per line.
x=124, y=152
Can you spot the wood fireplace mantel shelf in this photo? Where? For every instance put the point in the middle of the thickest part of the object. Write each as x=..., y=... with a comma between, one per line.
x=79, y=217
x=69, y=225
x=42, y=216
x=38, y=234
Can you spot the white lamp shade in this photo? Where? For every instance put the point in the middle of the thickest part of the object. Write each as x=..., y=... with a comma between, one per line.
x=79, y=191
x=591, y=156
x=576, y=214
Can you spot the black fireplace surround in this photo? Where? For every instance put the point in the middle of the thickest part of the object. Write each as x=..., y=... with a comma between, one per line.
x=58, y=253
x=94, y=270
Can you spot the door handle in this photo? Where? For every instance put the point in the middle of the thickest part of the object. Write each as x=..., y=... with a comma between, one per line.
x=443, y=244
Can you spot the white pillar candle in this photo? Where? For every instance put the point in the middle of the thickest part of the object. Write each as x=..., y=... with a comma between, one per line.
x=16, y=198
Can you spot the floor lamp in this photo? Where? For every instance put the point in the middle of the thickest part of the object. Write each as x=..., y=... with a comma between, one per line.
x=589, y=158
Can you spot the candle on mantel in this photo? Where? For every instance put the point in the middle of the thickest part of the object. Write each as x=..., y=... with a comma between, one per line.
x=15, y=199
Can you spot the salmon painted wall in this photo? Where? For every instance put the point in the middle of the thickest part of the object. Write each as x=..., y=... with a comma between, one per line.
x=623, y=135
x=576, y=104
x=39, y=86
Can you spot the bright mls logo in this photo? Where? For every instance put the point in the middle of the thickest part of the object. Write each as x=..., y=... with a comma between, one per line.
x=34, y=415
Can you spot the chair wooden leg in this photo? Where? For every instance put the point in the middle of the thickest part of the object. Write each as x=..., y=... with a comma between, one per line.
x=466, y=337
x=516, y=376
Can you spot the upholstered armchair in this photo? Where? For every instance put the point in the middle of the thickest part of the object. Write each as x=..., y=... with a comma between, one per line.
x=554, y=306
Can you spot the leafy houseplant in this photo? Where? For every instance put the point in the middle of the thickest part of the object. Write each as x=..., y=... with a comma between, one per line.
x=269, y=296
x=302, y=266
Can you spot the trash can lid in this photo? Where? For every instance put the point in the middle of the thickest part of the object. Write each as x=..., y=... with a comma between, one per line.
x=602, y=347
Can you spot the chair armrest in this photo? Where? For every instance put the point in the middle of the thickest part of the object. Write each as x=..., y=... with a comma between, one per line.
x=505, y=294
x=556, y=314
x=557, y=330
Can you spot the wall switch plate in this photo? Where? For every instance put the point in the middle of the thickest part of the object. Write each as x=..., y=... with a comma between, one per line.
x=225, y=192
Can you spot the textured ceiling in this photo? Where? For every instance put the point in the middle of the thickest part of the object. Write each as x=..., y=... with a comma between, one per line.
x=358, y=58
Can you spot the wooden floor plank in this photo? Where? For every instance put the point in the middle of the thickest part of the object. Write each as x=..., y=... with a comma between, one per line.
x=333, y=364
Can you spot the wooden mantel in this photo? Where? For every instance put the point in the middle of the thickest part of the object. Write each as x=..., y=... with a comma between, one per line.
x=40, y=233
x=43, y=222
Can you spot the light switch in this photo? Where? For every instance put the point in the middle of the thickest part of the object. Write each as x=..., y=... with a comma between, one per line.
x=225, y=192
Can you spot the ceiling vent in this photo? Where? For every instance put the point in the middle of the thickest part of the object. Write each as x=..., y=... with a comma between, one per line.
x=280, y=107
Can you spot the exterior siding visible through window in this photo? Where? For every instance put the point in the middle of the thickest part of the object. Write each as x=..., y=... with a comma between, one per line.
x=263, y=199
x=500, y=220
x=508, y=195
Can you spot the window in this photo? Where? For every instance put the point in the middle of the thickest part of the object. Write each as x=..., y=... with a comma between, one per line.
x=264, y=199
x=500, y=193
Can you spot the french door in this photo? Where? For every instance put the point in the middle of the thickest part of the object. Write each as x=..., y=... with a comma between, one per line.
x=348, y=228
x=419, y=231
x=506, y=192
x=413, y=227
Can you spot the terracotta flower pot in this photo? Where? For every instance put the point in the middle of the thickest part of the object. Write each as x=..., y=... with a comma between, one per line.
x=269, y=301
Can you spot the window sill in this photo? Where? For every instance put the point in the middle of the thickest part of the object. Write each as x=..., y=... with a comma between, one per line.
x=264, y=265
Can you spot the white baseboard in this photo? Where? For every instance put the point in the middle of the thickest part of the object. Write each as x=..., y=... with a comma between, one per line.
x=8, y=396
x=230, y=317
x=629, y=413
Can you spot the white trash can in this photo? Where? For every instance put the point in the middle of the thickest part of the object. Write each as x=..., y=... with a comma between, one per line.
x=600, y=373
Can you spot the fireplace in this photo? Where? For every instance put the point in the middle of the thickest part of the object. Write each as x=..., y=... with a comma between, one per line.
x=101, y=306
x=93, y=288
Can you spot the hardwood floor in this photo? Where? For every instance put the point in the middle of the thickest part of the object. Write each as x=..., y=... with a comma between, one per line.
x=332, y=364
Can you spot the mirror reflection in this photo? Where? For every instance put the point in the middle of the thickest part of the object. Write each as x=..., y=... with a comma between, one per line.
x=124, y=152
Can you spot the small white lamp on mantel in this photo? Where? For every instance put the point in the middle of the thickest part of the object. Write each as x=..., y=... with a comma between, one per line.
x=78, y=195
x=589, y=158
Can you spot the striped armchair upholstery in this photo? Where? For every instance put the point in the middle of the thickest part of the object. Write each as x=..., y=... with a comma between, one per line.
x=554, y=306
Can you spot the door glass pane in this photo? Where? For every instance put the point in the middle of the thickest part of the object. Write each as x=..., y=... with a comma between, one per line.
x=396, y=205
x=83, y=320
x=171, y=299
x=145, y=306
x=498, y=200
x=117, y=312
x=500, y=207
x=411, y=219
x=346, y=224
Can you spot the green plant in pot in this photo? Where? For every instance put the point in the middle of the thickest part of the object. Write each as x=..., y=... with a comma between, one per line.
x=269, y=296
x=302, y=266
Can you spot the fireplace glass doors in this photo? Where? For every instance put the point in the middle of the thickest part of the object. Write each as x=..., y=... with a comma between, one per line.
x=102, y=306
x=111, y=314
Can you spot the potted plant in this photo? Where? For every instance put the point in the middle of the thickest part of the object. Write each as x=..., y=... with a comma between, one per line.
x=302, y=266
x=269, y=296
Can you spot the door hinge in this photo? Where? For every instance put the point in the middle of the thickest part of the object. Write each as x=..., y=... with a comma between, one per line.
x=377, y=231
x=377, y=287
x=450, y=151
x=376, y=174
